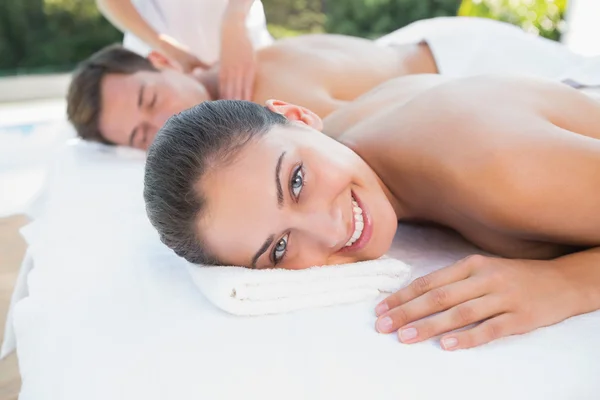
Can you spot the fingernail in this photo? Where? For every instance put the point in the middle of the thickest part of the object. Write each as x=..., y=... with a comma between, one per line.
x=408, y=334
x=381, y=308
x=449, y=343
x=384, y=325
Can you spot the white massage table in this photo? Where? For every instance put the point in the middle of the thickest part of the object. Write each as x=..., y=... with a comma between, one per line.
x=107, y=312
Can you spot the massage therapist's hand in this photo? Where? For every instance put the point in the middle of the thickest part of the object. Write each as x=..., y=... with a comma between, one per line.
x=237, y=63
x=180, y=54
x=507, y=296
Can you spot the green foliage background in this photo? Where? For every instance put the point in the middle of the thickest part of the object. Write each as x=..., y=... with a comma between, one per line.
x=544, y=17
x=374, y=18
x=53, y=35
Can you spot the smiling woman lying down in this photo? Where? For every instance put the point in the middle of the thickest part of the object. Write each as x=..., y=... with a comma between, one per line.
x=510, y=163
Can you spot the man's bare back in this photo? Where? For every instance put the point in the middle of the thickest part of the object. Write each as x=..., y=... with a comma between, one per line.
x=323, y=72
x=511, y=164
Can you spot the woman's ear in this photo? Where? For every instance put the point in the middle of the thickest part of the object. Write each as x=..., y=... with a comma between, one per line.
x=296, y=113
x=160, y=61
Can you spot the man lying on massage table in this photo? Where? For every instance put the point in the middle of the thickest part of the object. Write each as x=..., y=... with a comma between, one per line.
x=512, y=164
x=118, y=97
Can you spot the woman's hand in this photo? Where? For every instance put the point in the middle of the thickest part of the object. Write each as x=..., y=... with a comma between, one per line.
x=180, y=54
x=509, y=296
x=237, y=63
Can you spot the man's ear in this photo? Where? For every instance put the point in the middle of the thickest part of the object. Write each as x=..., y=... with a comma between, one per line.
x=160, y=61
x=295, y=113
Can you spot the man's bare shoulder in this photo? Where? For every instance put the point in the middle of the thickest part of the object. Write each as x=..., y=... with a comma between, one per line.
x=317, y=39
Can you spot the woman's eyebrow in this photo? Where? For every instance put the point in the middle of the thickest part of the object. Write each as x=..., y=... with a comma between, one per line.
x=278, y=180
x=262, y=250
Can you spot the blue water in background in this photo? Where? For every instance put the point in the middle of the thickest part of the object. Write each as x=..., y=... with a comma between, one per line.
x=26, y=129
x=30, y=134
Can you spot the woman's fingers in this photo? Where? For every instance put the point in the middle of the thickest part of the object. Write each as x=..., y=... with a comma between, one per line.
x=229, y=84
x=237, y=84
x=453, y=273
x=509, y=296
x=459, y=316
x=238, y=92
x=248, y=85
x=491, y=329
x=438, y=299
x=224, y=84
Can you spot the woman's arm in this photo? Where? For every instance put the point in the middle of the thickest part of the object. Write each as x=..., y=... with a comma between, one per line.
x=582, y=271
x=238, y=9
x=545, y=190
x=507, y=296
x=123, y=15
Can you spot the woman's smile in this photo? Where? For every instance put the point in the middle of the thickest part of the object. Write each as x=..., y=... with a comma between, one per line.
x=313, y=202
x=361, y=227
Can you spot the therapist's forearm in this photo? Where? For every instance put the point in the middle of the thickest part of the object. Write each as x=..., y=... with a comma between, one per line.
x=123, y=15
x=238, y=9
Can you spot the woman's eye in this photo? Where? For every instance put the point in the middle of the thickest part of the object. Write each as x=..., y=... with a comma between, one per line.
x=279, y=249
x=297, y=182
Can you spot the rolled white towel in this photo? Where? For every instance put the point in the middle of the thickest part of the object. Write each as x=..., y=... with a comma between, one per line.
x=243, y=291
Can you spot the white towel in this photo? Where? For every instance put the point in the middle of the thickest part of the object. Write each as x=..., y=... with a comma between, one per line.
x=243, y=291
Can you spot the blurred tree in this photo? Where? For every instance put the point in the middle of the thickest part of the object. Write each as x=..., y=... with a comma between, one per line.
x=79, y=29
x=543, y=17
x=294, y=17
x=17, y=17
x=374, y=18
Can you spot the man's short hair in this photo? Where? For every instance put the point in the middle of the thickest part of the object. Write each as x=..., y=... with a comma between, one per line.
x=84, y=98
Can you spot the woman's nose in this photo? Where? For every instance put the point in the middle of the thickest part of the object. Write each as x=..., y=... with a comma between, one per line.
x=327, y=227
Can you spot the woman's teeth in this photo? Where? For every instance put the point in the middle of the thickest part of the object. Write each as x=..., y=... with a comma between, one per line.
x=358, y=223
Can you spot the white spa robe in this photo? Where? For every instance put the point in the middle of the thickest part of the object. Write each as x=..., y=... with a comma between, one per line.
x=197, y=24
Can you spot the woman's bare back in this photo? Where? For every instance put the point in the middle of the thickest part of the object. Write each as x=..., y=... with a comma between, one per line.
x=511, y=163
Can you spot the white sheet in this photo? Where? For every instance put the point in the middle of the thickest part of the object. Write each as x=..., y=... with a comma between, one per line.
x=112, y=314
x=467, y=46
